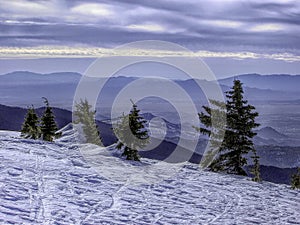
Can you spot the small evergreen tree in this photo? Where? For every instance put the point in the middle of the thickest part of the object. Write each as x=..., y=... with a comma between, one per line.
x=256, y=167
x=132, y=124
x=239, y=132
x=48, y=125
x=30, y=127
x=295, y=182
x=86, y=116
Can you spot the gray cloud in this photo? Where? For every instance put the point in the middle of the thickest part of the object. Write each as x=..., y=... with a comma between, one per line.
x=255, y=26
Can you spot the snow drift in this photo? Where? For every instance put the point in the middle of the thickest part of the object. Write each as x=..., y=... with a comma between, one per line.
x=52, y=183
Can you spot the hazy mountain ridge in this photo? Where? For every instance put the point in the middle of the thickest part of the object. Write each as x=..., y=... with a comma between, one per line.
x=26, y=77
x=269, y=133
x=26, y=88
x=60, y=92
x=279, y=82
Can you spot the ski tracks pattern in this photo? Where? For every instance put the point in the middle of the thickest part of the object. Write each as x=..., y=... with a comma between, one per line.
x=50, y=183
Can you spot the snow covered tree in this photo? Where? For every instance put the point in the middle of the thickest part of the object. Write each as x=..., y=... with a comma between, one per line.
x=30, y=127
x=132, y=124
x=218, y=112
x=86, y=116
x=48, y=124
x=237, y=142
x=295, y=182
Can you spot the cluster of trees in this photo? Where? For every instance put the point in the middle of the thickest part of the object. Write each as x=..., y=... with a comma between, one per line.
x=229, y=156
x=44, y=127
x=129, y=126
x=231, y=142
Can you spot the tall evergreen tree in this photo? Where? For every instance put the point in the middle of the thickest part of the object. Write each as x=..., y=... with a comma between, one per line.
x=295, y=182
x=30, y=127
x=48, y=124
x=218, y=113
x=86, y=116
x=237, y=142
x=132, y=124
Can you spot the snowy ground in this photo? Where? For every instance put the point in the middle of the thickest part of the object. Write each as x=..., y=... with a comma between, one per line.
x=51, y=183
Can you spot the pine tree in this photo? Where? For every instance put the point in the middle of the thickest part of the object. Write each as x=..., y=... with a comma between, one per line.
x=237, y=142
x=218, y=112
x=48, y=125
x=85, y=116
x=30, y=127
x=132, y=124
x=256, y=167
x=295, y=182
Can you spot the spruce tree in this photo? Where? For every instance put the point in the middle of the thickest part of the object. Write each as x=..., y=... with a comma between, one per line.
x=86, y=116
x=48, y=125
x=295, y=182
x=132, y=124
x=256, y=167
x=237, y=142
x=30, y=127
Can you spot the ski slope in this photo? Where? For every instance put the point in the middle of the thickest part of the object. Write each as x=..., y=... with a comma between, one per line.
x=51, y=183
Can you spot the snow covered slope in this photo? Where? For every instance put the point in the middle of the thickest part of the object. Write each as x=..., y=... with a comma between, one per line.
x=51, y=183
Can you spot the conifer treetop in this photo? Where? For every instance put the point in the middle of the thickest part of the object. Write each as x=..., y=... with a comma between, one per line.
x=46, y=101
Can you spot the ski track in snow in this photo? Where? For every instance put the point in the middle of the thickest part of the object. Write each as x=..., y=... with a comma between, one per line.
x=50, y=183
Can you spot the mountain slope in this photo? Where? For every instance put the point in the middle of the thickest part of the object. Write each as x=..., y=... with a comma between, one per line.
x=50, y=183
x=11, y=118
x=270, y=136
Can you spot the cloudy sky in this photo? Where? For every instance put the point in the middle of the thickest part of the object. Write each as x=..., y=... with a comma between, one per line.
x=231, y=36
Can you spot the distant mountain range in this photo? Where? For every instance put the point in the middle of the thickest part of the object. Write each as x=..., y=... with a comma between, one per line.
x=24, y=88
x=277, y=82
x=270, y=133
x=29, y=78
x=276, y=97
x=270, y=136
